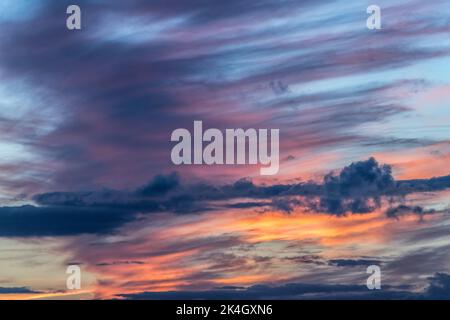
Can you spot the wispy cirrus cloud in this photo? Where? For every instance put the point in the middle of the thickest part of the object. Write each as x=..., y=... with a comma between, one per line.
x=123, y=90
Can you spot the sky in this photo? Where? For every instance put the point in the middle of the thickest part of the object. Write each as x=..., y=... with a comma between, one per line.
x=86, y=176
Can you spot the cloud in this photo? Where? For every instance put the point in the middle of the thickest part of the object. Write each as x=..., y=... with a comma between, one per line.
x=264, y=292
x=31, y=221
x=423, y=185
x=402, y=209
x=161, y=184
x=419, y=262
x=438, y=288
x=112, y=113
x=358, y=188
x=16, y=290
x=287, y=291
x=100, y=105
x=353, y=262
x=118, y=263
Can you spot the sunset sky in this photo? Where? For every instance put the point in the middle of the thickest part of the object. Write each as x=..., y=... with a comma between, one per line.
x=86, y=176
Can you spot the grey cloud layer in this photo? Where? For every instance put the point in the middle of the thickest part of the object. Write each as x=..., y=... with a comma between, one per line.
x=358, y=188
x=438, y=288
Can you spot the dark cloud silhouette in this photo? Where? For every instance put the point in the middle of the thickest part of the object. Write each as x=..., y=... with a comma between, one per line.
x=438, y=288
x=402, y=209
x=161, y=184
x=16, y=290
x=423, y=185
x=118, y=263
x=308, y=259
x=287, y=291
x=353, y=262
x=30, y=221
x=358, y=188
x=355, y=186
